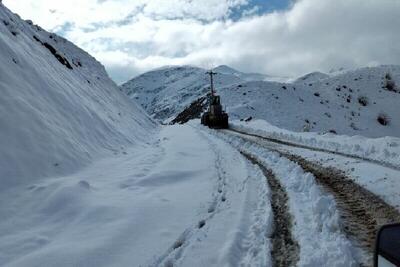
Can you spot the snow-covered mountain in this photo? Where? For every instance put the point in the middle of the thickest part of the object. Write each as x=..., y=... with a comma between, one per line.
x=354, y=102
x=58, y=108
x=167, y=91
x=223, y=69
x=312, y=77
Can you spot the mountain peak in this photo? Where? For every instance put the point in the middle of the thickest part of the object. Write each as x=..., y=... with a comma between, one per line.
x=226, y=69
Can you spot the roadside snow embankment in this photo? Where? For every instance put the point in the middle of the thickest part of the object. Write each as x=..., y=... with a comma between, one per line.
x=384, y=149
x=59, y=110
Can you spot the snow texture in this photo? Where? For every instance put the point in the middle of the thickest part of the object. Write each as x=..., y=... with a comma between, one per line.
x=59, y=110
x=185, y=199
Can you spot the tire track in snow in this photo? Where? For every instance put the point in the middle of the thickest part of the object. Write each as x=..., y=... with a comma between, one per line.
x=361, y=211
x=285, y=249
x=316, y=227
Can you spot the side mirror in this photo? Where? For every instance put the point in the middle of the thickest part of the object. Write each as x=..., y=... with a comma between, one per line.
x=387, y=246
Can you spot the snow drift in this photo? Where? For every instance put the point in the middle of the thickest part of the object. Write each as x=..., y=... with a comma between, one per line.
x=58, y=107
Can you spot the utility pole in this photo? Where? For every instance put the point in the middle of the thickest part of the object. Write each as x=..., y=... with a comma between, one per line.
x=211, y=73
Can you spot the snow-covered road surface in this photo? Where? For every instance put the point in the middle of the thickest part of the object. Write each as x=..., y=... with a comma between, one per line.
x=317, y=226
x=184, y=199
x=380, y=178
x=189, y=197
x=285, y=248
x=359, y=199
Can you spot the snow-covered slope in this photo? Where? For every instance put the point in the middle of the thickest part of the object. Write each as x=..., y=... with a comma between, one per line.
x=223, y=69
x=311, y=77
x=58, y=108
x=351, y=103
x=166, y=91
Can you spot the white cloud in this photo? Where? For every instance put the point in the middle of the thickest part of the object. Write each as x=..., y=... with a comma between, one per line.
x=51, y=14
x=311, y=35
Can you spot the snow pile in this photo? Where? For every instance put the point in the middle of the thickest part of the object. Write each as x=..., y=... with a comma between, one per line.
x=384, y=149
x=58, y=108
x=357, y=102
x=316, y=218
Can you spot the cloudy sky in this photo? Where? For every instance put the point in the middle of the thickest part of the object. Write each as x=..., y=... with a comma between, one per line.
x=277, y=37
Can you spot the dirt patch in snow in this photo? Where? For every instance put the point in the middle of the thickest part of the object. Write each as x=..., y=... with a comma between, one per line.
x=285, y=249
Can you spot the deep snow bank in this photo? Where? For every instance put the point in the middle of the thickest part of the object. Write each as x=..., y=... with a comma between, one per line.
x=58, y=107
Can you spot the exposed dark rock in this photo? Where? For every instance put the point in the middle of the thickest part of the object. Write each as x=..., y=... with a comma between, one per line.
x=54, y=52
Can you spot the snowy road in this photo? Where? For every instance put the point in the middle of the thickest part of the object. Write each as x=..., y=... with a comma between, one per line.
x=184, y=199
x=380, y=178
x=315, y=214
x=190, y=197
x=351, y=182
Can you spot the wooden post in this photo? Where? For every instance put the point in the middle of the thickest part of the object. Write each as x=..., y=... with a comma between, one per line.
x=211, y=73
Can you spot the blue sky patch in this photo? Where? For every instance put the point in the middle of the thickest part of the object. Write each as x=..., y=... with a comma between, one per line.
x=259, y=7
